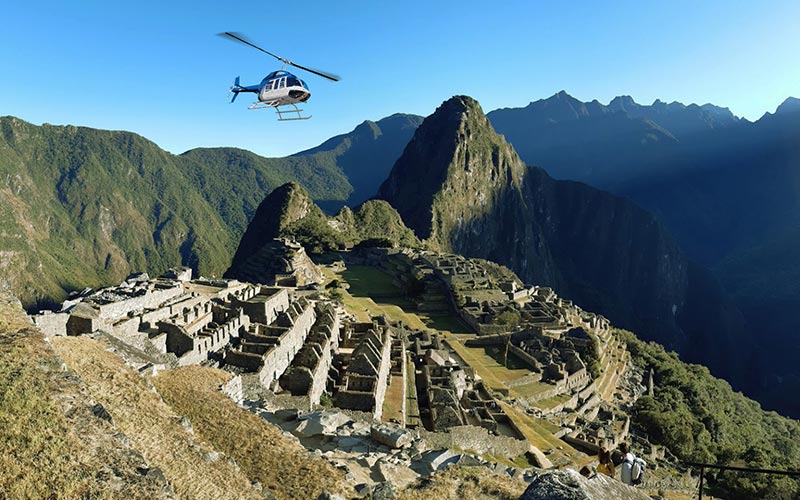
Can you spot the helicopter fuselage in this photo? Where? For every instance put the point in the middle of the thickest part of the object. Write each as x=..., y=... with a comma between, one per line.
x=279, y=88
x=283, y=88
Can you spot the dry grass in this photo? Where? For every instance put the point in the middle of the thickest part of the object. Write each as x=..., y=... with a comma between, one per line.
x=282, y=466
x=52, y=446
x=461, y=483
x=393, y=401
x=151, y=426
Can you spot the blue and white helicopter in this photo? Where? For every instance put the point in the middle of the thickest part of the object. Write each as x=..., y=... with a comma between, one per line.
x=279, y=88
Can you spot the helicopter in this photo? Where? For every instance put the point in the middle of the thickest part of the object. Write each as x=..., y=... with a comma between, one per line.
x=279, y=88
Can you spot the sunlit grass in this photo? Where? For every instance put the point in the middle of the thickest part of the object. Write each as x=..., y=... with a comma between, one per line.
x=281, y=466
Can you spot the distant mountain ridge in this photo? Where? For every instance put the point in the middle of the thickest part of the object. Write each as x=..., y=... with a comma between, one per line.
x=462, y=187
x=366, y=154
x=604, y=145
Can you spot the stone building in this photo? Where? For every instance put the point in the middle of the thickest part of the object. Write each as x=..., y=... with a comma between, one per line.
x=308, y=373
x=268, y=350
x=366, y=369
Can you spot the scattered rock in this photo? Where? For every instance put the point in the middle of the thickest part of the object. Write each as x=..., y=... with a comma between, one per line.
x=320, y=422
x=471, y=461
x=393, y=437
x=287, y=415
x=363, y=490
x=399, y=475
x=438, y=460
x=540, y=458
x=100, y=412
x=384, y=491
x=187, y=425
x=329, y=496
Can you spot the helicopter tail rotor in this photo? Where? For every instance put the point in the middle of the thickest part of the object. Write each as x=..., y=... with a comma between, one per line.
x=234, y=89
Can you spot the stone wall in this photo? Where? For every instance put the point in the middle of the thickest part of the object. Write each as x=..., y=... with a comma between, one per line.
x=278, y=359
x=368, y=372
x=265, y=306
x=308, y=373
x=477, y=439
x=150, y=300
x=233, y=389
x=51, y=323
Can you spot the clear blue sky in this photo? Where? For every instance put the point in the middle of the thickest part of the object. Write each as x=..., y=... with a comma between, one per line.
x=162, y=72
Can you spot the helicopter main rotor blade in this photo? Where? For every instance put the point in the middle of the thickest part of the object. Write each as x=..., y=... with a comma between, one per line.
x=242, y=39
x=329, y=76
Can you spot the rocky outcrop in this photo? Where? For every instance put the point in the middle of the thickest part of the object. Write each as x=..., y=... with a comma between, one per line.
x=464, y=189
x=569, y=485
x=289, y=215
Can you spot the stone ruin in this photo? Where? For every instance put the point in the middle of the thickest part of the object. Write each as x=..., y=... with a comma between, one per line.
x=364, y=364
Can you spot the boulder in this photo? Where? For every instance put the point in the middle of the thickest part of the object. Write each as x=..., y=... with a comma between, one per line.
x=100, y=412
x=437, y=460
x=329, y=496
x=570, y=485
x=398, y=475
x=393, y=437
x=540, y=458
x=320, y=422
x=287, y=415
x=384, y=491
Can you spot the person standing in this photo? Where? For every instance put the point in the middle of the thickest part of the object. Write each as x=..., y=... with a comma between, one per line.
x=632, y=467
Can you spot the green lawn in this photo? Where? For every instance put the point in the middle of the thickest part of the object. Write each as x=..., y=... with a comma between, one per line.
x=371, y=291
x=368, y=281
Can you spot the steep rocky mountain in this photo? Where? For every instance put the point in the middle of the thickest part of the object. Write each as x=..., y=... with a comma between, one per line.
x=460, y=186
x=737, y=209
x=289, y=212
x=364, y=155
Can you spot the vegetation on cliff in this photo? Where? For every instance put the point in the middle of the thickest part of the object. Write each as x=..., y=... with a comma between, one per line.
x=700, y=418
x=289, y=212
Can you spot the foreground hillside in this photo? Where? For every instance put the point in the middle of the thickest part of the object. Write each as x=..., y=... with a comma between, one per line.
x=56, y=442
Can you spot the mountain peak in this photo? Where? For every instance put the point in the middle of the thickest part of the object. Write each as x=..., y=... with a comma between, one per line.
x=623, y=102
x=459, y=104
x=455, y=150
x=790, y=105
x=284, y=206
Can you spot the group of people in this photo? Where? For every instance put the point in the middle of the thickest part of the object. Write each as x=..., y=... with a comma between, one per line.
x=631, y=467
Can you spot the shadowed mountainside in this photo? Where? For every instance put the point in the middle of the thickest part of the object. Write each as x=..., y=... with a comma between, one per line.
x=461, y=187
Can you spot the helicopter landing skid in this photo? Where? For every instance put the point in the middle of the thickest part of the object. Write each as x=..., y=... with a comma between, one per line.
x=281, y=112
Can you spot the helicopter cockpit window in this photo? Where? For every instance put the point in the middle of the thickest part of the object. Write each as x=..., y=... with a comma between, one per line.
x=292, y=82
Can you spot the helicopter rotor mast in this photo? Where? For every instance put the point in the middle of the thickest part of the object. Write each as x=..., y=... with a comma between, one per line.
x=242, y=39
